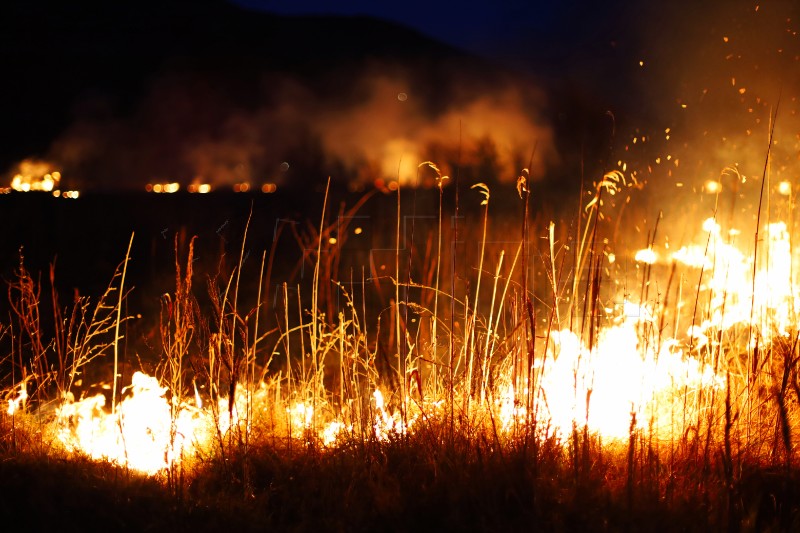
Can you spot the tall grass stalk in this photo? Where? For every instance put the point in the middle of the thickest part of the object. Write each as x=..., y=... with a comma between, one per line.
x=116, y=327
x=435, y=318
x=753, y=354
x=472, y=319
x=314, y=337
x=398, y=331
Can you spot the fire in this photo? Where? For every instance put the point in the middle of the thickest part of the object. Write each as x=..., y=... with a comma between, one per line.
x=141, y=432
x=620, y=383
x=74, y=195
x=738, y=292
x=623, y=373
x=167, y=188
x=35, y=176
x=200, y=188
x=647, y=255
x=18, y=403
x=147, y=433
x=623, y=383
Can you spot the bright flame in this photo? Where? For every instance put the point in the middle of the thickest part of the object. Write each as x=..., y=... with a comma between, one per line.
x=35, y=176
x=200, y=188
x=735, y=296
x=18, y=403
x=650, y=377
x=624, y=377
x=647, y=255
x=140, y=433
x=168, y=188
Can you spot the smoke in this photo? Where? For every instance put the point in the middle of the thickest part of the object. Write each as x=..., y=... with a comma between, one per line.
x=193, y=127
x=391, y=131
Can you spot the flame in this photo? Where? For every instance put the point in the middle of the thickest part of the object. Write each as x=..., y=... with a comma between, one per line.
x=167, y=188
x=141, y=433
x=18, y=403
x=628, y=377
x=200, y=188
x=737, y=291
x=647, y=255
x=35, y=176
x=618, y=383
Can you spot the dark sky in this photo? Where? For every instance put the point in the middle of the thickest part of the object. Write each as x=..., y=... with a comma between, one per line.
x=508, y=30
x=488, y=28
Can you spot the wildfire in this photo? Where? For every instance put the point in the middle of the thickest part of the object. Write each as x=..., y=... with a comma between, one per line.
x=647, y=255
x=620, y=383
x=628, y=376
x=39, y=176
x=25, y=183
x=142, y=432
x=167, y=188
x=200, y=188
x=738, y=292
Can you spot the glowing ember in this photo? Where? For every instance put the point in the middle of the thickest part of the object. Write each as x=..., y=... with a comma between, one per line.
x=712, y=187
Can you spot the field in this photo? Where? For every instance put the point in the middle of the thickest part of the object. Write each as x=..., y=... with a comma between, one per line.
x=459, y=357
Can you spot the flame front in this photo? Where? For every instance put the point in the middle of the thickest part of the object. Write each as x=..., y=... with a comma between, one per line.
x=629, y=376
x=141, y=433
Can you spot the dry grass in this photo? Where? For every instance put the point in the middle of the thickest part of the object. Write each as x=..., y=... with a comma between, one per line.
x=441, y=360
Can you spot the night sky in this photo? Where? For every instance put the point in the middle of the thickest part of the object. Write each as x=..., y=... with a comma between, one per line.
x=488, y=28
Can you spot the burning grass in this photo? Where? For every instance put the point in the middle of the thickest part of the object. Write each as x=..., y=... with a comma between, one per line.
x=521, y=390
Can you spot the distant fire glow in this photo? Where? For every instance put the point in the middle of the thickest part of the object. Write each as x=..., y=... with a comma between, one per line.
x=72, y=195
x=166, y=188
x=35, y=176
x=200, y=188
